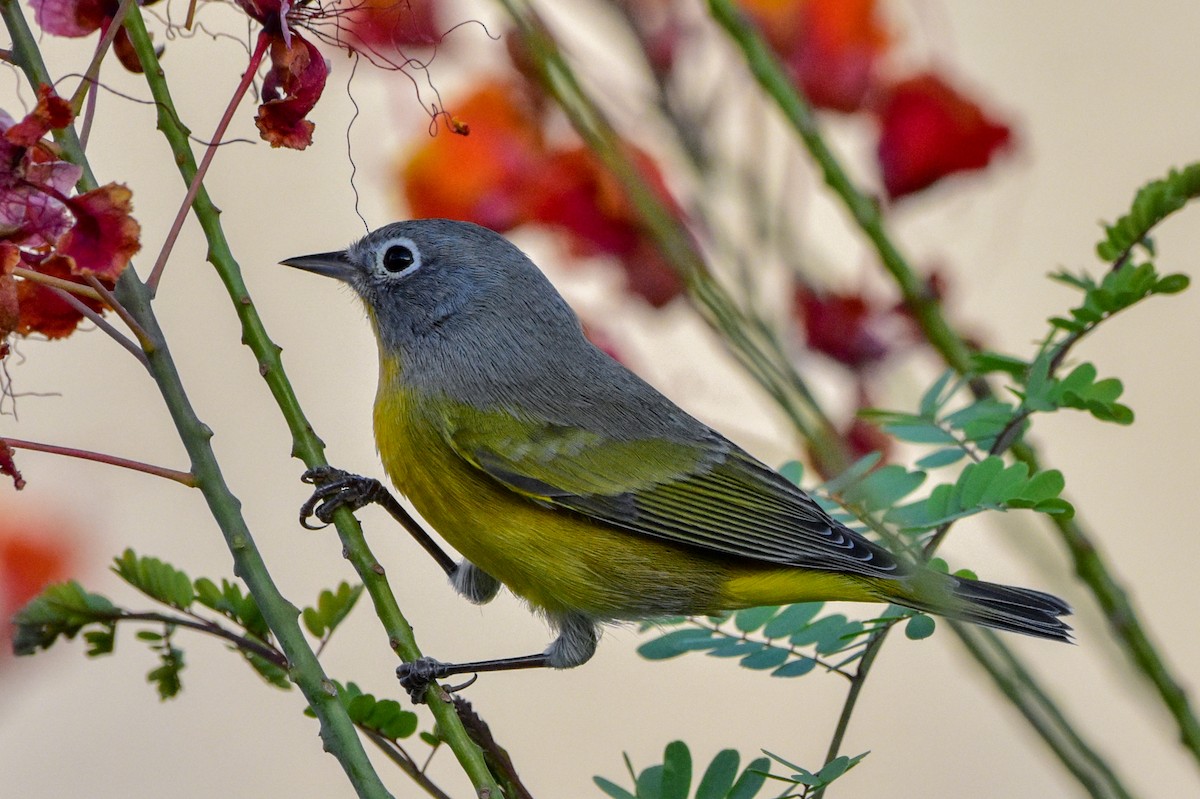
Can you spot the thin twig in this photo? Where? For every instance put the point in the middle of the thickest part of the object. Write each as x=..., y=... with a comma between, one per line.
x=120, y=310
x=264, y=651
x=405, y=762
x=91, y=75
x=102, y=323
x=184, y=478
x=197, y=180
x=58, y=283
x=338, y=733
x=870, y=652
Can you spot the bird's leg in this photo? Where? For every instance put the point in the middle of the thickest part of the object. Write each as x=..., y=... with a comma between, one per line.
x=336, y=488
x=575, y=645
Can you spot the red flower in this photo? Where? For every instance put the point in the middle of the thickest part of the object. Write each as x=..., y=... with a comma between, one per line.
x=298, y=71
x=28, y=563
x=33, y=180
x=602, y=340
x=42, y=309
x=829, y=46
x=575, y=192
x=845, y=327
x=50, y=113
x=10, y=308
x=862, y=438
x=930, y=131
x=45, y=230
x=859, y=439
x=104, y=236
x=290, y=90
x=386, y=26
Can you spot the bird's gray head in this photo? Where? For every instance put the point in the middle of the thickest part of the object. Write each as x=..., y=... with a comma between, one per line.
x=429, y=284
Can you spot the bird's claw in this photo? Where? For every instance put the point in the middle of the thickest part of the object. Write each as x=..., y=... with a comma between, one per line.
x=416, y=676
x=335, y=488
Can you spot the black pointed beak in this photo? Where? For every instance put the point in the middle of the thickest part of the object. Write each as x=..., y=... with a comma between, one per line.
x=330, y=264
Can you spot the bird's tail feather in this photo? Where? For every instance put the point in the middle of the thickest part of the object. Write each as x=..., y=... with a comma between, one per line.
x=1003, y=607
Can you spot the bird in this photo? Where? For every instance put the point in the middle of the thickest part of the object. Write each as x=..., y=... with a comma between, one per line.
x=555, y=471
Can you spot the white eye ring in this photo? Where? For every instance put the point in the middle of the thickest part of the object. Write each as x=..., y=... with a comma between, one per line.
x=398, y=257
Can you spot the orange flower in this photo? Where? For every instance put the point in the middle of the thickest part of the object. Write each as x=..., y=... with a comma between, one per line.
x=502, y=174
x=830, y=46
x=480, y=177
x=34, y=552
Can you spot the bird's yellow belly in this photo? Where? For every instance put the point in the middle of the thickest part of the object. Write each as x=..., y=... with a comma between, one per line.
x=556, y=560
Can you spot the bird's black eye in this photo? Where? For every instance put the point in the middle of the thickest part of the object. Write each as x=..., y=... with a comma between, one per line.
x=398, y=258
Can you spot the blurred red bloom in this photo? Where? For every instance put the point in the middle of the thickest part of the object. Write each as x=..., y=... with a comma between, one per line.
x=859, y=439
x=503, y=174
x=385, y=26
x=845, y=327
x=830, y=46
x=33, y=554
x=575, y=192
x=930, y=131
x=602, y=340
x=660, y=27
x=481, y=177
x=862, y=438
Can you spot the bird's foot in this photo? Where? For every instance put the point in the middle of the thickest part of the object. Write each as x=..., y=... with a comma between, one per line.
x=415, y=677
x=335, y=489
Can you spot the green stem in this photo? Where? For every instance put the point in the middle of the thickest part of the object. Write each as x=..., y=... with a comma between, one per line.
x=856, y=685
x=1090, y=567
x=337, y=732
x=306, y=445
x=1016, y=682
x=1123, y=619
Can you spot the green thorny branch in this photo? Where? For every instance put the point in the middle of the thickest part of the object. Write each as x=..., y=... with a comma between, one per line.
x=304, y=669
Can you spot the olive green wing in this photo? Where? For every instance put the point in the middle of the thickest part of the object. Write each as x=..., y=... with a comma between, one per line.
x=705, y=493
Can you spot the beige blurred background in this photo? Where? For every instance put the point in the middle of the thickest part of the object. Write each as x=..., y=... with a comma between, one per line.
x=1106, y=97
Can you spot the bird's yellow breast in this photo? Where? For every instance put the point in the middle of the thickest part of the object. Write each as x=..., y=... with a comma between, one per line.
x=557, y=560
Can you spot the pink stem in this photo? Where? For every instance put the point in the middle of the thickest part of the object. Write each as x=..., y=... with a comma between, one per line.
x=186, y=478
